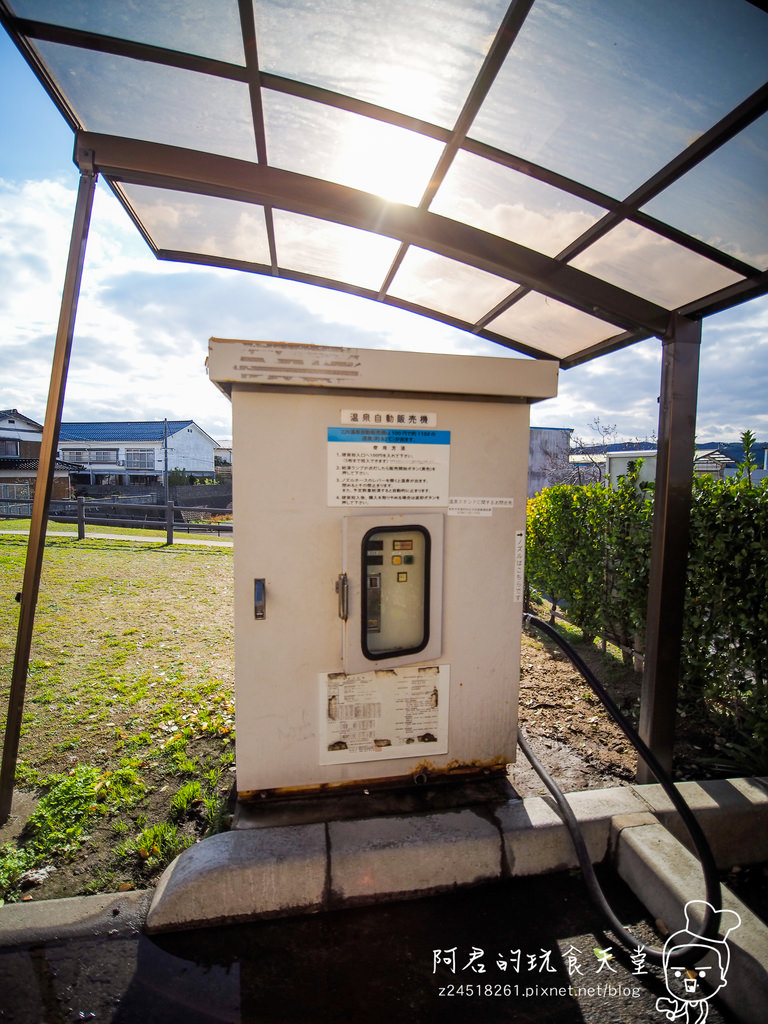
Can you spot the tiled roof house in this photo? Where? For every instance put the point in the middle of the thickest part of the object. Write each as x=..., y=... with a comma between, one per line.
x=137, y=451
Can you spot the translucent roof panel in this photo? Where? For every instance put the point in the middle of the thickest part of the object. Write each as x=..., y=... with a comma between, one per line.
x=210, y=28
x=140, y=100
x=647, y=264
x=340, y=146
x=722, y=201
x=315, y=247
x=608, y=92
x=505, y=202
x=548, y=325
x=448, y=286
x=414, y=56
x=562, y=178
x=207, y=225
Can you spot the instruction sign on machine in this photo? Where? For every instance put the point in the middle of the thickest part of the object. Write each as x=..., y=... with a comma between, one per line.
x=379, y=510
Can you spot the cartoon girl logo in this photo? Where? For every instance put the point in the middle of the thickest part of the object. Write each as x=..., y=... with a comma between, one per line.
x=690, y=1003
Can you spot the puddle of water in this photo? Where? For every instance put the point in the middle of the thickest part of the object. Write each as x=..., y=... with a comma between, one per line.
x=520, y=951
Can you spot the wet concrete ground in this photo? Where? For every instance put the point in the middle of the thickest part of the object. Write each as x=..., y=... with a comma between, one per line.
x=447, y=958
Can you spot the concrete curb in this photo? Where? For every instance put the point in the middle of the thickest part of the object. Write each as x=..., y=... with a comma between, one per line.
x=741, y=803
x=121, y=913
x=385, y=857
x=289, y=869
x=665, y=876
x=377, y=859
x=536, y=841
x=279, y=870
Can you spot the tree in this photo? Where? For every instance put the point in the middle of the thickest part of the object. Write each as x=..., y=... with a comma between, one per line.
x=177, y=477
x=747, y=439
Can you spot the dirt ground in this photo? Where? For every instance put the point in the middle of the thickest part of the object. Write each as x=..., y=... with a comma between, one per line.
x=94, y=867
x=566, y=725
x=575, y=738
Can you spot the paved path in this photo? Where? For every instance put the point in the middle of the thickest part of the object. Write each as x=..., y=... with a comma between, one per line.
x=136, y=536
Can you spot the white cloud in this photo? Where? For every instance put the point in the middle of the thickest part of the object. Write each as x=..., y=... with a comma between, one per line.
x=34, y=235
x=619, y=389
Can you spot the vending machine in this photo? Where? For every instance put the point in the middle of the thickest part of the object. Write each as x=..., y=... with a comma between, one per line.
x=379, y=543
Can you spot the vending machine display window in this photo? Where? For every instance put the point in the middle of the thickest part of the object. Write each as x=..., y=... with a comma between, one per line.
x=396, y=591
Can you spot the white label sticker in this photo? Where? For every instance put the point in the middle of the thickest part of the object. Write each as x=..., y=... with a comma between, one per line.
x=519, y=580
x=386, y=713
x=477, y=506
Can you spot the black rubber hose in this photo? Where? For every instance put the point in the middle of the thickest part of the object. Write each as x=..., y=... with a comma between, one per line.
x=684, y=957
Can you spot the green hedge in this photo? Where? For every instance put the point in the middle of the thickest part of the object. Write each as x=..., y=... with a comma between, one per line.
x=725, y=643
x=588, y=550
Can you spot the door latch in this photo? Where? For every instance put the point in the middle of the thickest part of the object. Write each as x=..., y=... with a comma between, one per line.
x=342, y=589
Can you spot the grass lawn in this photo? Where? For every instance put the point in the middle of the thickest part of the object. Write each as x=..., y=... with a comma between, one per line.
x=128, y=730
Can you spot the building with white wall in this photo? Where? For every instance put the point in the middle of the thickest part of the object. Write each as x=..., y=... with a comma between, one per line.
x=20, y=440
x=719, y=460
x=137, y=452
x=20, y=437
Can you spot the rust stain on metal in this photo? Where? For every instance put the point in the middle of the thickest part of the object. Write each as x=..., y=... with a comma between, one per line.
x=425, y=771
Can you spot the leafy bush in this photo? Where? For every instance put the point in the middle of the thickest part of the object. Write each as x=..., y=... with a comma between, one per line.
x=549, y=527
x=626, y=560
x=588, y=548
x=725, y=655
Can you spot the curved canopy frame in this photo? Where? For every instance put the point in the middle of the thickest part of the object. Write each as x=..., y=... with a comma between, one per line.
x=559, y=161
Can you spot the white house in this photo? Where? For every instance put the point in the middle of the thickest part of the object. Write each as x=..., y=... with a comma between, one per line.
x=708, y=461
x=20, y=437
x=137, y=452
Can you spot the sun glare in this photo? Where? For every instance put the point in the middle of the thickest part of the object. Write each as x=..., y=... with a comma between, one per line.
x=388, y=161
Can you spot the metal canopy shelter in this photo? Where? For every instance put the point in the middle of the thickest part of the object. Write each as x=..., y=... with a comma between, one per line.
x=561, y=178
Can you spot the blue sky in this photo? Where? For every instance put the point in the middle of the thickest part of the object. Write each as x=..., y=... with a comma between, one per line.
x=143, y=326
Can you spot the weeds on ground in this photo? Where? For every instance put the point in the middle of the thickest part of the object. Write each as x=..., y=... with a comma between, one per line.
x=129, y=697
x=155, y=846
x=56, y=828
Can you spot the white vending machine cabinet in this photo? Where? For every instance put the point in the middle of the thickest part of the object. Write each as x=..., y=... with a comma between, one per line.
x=379, y=542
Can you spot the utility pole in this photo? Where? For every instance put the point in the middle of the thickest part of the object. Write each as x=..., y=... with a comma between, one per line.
x=165, y=458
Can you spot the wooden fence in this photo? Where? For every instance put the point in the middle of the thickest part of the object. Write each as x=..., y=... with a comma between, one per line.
x=169, y=517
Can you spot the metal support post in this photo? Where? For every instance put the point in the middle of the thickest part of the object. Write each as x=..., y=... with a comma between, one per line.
x=44, y=486
x=669, y=539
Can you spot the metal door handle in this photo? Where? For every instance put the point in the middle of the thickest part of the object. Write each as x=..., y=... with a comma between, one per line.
x=342, y=589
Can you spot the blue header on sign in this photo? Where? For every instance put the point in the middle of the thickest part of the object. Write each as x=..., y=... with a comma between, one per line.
x=382, y=435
